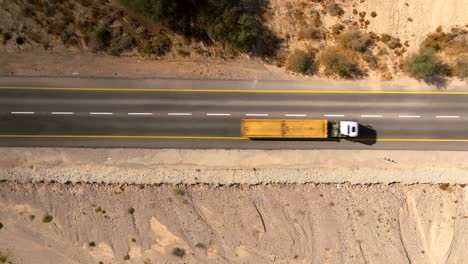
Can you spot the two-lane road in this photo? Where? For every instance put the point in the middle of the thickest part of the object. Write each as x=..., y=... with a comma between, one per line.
x=197, y=117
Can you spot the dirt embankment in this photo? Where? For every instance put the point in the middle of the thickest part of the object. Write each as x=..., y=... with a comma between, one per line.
x=326, y=223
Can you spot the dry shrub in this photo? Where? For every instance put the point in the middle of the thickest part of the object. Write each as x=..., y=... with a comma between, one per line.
x=371, y=60
x=300, y=61
x=355, y=40
x=341, y=62
x=309, y=32
x=337, y=28
x=28, y=11
x=394, y=43
x=460, y=68
x=385, y=37
x=335, y=9
x=453, y=43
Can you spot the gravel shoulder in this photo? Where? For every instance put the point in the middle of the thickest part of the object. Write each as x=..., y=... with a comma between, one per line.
x=227, y=167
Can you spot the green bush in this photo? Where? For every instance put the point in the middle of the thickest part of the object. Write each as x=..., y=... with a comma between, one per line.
x=101, y=38
x=235, y=24
x=355, y=40
x=300, y=62
x=425, y=65
x=340, y=63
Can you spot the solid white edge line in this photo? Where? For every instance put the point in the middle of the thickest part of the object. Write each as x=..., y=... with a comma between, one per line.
x=22, y=113
x=215, y=114
x=409, y=116
x=139, y=113
x=295, y=115
x=256, y=114
x=334, y=115
x=371, y=116
x=447, y=116
x=62, y=113
x=100, y=113
x=179, y=114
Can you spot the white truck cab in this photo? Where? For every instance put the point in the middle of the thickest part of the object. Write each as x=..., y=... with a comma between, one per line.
x=349, y=128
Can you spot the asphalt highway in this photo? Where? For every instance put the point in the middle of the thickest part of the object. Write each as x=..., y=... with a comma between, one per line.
x=89, y=113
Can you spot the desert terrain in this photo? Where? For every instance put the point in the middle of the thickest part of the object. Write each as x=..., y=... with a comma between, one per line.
x=308, y=223
x=185, y=206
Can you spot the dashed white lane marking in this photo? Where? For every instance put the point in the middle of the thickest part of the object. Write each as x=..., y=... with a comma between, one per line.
x=333, y=115
x=101, y=113
x=63, y=113
x=371, y=115
x=139, y=113
x=179, y=114
x=256, y=114
x=409, y=116
x=447, y=116
x=217, y=114
x=22, y=113
x=295, y=115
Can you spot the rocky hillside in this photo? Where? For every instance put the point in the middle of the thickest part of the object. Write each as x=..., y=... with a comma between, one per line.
x=342, y=39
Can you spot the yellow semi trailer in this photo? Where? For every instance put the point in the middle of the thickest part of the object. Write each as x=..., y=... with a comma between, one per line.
x=297, y=128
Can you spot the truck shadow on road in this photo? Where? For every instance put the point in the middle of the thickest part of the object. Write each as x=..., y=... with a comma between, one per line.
x=367, y=136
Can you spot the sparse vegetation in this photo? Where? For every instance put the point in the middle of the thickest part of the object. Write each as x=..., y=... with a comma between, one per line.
x=340, y=63
x=394, y=43
x=200, y=245
x=439, y=40
x=47, y=218
x=126, y=257
x=460, y=68
x=4, y=257
x=101, y=38
x=131, y=211
x=1, y=225
x=92, y=244
x=337, y=28
x=178, y=252
x=335, y=9
x=179, y=191
x=300, y=62
x=355, y=40
x=309, y=32
x=373, y=14
x=426, y=65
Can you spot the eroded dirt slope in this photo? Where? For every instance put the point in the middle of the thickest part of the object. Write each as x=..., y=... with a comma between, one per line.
x=239, y=224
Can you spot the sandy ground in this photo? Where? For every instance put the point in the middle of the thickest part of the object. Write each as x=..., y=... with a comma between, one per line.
x=257, y=224
x=231, y=166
